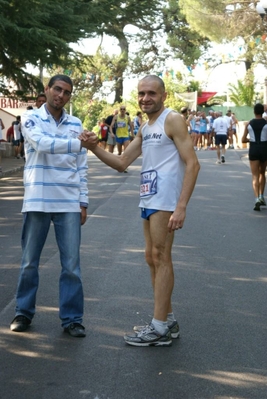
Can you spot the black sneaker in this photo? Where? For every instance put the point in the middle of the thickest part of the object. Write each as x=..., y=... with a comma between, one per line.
x=75, y=330
x=20, y=324
x=149, y=337
x=257, y=206
x=223, y=159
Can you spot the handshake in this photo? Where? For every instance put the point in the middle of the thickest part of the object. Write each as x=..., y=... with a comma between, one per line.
x=89, y=140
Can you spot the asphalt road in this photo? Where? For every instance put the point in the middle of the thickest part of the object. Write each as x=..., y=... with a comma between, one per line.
x=219, y=297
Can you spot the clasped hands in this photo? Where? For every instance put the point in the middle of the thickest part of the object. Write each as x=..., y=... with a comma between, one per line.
x=88, y=139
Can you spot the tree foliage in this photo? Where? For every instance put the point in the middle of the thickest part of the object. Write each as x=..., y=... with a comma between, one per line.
x=40, y=33
x=221, y=20
x=186, y=43
x=243, y=93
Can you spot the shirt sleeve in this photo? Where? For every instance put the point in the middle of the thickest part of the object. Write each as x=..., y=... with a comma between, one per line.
x=42, y=141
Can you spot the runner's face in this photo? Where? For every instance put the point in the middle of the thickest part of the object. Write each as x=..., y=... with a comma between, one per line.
x=151, y=96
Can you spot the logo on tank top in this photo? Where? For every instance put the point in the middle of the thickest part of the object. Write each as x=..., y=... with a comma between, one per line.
x=152, y=136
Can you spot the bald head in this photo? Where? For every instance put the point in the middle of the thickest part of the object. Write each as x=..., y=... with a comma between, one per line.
x=153, y=78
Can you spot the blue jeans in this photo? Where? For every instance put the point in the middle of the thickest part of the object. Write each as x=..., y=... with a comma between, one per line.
x=68, y=236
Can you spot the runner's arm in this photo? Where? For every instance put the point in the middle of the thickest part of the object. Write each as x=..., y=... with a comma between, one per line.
x=176, y=129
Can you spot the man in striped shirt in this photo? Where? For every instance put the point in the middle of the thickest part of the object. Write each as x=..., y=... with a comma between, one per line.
x=55, y=181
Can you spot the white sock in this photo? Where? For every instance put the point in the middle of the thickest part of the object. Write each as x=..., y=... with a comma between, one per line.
x=160, y=326
x=170, y=318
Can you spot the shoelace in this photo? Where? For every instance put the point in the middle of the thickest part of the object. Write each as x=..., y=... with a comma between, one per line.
x=146, y=330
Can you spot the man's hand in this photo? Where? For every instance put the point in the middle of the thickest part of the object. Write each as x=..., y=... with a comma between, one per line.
x=89, y=140
x=83, y=215
x=176, y=221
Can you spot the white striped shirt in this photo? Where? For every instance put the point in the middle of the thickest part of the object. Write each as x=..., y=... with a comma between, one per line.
x=55, y=173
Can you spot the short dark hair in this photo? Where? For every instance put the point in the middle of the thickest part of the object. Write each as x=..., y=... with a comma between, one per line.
x=184, y=110
x=258, y=109
x=64, y=78
x=41, y=95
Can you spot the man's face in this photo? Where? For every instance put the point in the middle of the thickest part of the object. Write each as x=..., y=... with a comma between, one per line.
x=40, y=101
x=122, y=110
x=151, y=96
x=58, y=95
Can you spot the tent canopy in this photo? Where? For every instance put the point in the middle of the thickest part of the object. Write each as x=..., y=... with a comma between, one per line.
x=205, y=96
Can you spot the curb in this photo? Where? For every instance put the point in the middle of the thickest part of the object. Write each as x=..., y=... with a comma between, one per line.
x=10, y=172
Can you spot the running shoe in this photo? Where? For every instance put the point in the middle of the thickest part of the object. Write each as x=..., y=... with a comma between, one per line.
x=257, y=206
x=218, y=161
x=223, y=159
x=173, y=327
x=149, y=337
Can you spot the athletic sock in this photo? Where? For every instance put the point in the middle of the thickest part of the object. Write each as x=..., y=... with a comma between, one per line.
x=160, y=326
x=170, y=318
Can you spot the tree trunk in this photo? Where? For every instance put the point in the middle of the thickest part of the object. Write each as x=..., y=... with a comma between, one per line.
x=248, y=64
x=120, y=68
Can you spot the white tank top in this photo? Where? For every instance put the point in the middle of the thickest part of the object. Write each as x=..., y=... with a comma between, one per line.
x=162, y=168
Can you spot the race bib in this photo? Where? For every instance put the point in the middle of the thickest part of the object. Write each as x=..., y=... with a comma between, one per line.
x=148, y=184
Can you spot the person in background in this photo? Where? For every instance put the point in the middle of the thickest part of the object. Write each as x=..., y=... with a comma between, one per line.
x=103, y=133
x=203, y=129
x=191, y=121
x=10, y=133
x=121, y=120
x=2, y=126
x=111, y=137
x=55, y=190
x=256, y=129
x=17, y=137
x=131, y=136
x=185, y=113
x=169, y=172
x=234, y=127
x=40, y=100
x=228, y=118
x=137, y=122
x=220, y=129
x=198, y=137
x=211, y=118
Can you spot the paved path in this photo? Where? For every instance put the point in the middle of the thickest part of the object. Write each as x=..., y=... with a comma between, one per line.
x=219, y=298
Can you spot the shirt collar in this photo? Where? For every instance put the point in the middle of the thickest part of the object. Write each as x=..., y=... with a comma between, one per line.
x=63, y=116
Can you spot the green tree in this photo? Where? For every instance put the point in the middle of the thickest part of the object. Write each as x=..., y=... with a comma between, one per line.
x=39, y=34
x=229, y=20
x=243, y=93
x=185, y=43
